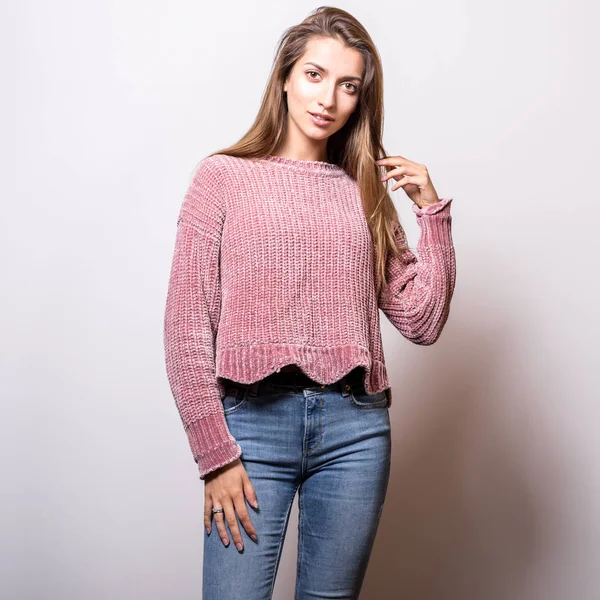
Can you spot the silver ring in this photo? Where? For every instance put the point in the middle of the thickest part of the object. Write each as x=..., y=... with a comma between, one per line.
x=217, y=510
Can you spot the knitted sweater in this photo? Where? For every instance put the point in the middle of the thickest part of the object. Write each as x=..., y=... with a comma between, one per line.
x=273, y=265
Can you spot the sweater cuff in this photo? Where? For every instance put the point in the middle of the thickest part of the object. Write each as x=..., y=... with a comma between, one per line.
x=435, y=223
x=212, y=444
x=432, y=208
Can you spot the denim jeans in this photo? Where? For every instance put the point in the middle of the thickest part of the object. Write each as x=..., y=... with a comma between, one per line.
x=332, y=445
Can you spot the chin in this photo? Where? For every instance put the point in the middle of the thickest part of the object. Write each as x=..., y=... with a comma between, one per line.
x=317, y=135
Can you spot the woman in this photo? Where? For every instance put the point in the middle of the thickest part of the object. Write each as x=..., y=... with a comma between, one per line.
x=288, y=244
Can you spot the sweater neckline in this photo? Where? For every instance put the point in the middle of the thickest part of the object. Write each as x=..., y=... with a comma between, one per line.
x=304, y=166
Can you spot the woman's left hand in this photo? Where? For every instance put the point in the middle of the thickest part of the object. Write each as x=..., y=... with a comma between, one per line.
x=412, y=177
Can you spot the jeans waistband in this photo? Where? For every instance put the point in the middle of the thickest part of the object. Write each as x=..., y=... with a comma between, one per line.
x=352, y=380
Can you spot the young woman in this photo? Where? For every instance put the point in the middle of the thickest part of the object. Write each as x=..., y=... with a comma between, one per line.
x=287, y=246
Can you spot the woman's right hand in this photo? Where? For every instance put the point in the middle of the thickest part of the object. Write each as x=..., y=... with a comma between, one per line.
x=228, y=487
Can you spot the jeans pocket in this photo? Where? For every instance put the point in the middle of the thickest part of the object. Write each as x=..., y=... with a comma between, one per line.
x=360, y=398
x=234, y=399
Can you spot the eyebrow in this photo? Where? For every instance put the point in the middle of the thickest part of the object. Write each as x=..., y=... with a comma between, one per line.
x=359, y=79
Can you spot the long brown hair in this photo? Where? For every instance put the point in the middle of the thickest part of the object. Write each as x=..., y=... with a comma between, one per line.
x=356, y=146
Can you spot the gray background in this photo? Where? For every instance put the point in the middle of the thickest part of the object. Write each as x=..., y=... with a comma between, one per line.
x=107, y=108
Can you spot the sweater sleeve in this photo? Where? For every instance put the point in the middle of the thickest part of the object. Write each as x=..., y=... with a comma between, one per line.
x=191, y=320
x=419, y=290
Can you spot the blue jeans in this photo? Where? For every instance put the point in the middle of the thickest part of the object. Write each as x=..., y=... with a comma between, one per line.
x=332, y=444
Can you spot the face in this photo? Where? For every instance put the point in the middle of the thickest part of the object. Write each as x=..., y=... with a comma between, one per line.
x=326, y=79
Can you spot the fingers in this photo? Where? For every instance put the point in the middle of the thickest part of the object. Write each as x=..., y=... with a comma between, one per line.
x=397, y=165
x=395, y=173
x=233, y=525
x=227, y=518
x=208, y=515
x=218, y=517
x=228, y=489
x=242, y=512
x=249, y=491
x=391, y=161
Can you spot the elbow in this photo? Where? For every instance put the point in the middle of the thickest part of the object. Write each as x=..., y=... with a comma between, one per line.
x=425, y=339
x=429, y=332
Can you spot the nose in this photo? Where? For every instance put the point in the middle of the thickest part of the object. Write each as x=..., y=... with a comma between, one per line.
x=328, y=99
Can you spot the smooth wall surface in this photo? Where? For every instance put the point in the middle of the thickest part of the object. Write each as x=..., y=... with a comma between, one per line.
x=107, y=108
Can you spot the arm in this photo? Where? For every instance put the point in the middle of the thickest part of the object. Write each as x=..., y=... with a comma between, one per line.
x=190, y=323
x=417, y=298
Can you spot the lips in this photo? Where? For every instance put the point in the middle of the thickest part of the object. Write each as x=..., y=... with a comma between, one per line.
x=320, y=116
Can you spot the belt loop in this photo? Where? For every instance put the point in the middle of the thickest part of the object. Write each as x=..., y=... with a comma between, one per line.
x=253, y=388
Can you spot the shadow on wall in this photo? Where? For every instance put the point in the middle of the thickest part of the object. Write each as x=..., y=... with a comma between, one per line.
x=471, y=467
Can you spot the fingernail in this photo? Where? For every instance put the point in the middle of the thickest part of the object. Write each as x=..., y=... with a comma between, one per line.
x=225, y=541
x=255, y=504
x=239, y=546
x=253, y=536
x=208, y=530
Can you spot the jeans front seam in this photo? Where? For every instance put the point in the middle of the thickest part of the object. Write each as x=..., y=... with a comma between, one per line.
x=319, y=399
x=300, y=544
x=287, y=517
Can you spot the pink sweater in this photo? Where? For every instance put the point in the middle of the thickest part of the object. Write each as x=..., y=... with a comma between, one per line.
x=273, y=265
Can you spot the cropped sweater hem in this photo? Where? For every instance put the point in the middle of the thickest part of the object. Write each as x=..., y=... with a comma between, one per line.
x=252, y=362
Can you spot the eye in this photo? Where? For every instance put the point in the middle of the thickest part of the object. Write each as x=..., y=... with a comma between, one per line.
x=354, y=88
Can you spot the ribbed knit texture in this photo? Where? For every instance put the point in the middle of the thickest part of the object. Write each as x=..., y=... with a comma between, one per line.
x=273, y=265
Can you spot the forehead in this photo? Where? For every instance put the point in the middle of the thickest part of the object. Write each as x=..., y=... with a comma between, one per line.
x=333, y=55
